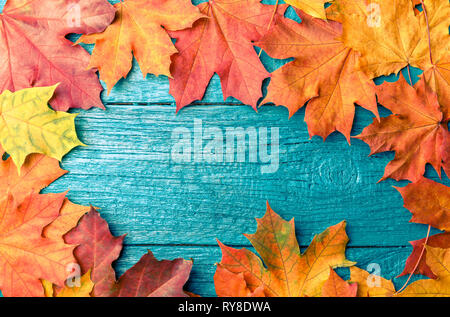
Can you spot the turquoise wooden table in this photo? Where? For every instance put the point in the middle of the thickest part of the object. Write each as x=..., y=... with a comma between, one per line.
x=179, y=209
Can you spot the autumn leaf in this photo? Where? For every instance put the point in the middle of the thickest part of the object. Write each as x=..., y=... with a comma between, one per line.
x=29, y=126
x=234, y=285
x=370, y=285
x=439, y=262
x=69, y=215
x=26, y=256
x=83, y=290
x=322, y=73
x=152, y=278
x=141, y=28
x=390, y=36
x=441, y=240
x=34, y=51
x=285, y=272
x=98, y=249
x=415, y=130
x=221, y=44
x=32, y=227
x=335, y=286
x=37, y=172
x=314, y=8
x=446, y=155
x=438, y=78
x=429, y=203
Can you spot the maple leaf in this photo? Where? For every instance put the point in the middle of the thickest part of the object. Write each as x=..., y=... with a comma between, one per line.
x=438, y=78
x=446, y=155
x=234, y=285
x=441, y=240
x=429, y=203
x=371, y=285
x=438, y=260
x=335, y=286
x=37, y=172
x=98, y=249
x=34, y=51
x=323, y=72
x=314, y=8
x=29, y=126
x=25, y=255
x=32, y=227
x=221, y=44
x=415, y=130
x=390, y=36
x=141, y=28
x=83, y=290
x=69, y=215
x=289, y=273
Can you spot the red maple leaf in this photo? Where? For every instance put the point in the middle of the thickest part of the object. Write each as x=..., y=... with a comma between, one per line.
x=34, y=51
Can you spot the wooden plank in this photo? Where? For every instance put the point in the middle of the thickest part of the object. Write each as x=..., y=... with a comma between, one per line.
x=127, y=171
x=390, y=261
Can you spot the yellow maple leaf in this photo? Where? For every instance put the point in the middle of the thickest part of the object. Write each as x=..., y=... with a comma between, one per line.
x=83, y=290
x=390, y=36
x=315, y=8
x=289, y=273
x=371, y=285
x=141, y=28
x=28, y=125
x=439, y=261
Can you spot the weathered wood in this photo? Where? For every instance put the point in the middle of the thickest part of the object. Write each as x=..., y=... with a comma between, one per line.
x=127, y=171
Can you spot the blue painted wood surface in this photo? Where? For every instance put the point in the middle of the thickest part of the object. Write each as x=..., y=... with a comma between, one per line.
x=178, y=210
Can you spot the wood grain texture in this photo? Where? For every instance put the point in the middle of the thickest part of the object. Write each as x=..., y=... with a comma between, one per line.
x=178, y=210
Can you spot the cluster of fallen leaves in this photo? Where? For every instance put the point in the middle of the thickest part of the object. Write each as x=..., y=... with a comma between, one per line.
x=44, y=238
x=336, y=53
x=282, y=270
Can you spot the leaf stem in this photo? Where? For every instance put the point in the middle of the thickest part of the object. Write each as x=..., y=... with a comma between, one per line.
x=418, y=262
x=428, y=29
x=409, y=74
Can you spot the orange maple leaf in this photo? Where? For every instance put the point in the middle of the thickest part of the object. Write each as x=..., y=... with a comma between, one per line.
x=36, y=173
x=288, y=273
x=32, y=227
x=322, y=73
x=25, y=255
x=335, y=286
x=438, y=78
x=429, y=203
x=371, y=285
x=415, y=131
x=221, y=44
x=141, y=28
x=387, y=46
